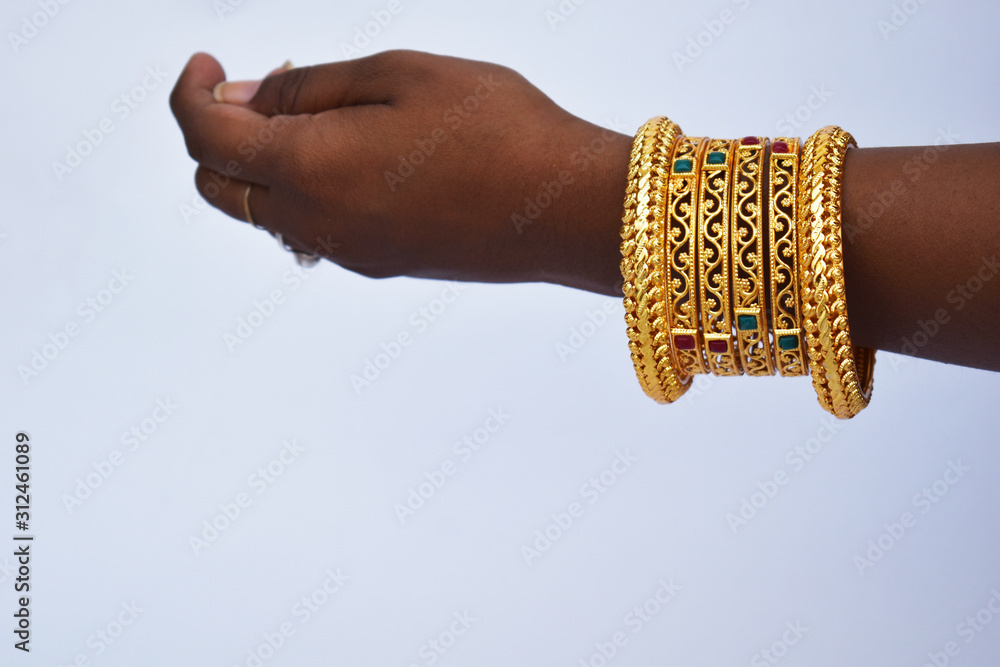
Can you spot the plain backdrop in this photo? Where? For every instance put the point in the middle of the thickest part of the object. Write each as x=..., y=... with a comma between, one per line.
x=739, y=520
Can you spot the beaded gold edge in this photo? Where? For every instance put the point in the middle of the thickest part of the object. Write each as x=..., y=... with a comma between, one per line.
x=642, y=260
x=841, y=373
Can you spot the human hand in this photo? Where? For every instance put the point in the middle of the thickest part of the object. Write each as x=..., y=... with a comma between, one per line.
x=407, y=163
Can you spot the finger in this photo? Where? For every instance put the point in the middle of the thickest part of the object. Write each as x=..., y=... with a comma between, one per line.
x=309, y=90
x=250, y=203
x=226, y=137
x=228, y=194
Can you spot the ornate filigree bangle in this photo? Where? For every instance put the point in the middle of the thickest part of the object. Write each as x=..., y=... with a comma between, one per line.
x=786, y=315
x=748, y=259
x=713, y=257
x=682, y=257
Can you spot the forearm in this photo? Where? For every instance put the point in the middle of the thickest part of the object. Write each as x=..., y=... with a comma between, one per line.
x=921, y=251
x=921, y=248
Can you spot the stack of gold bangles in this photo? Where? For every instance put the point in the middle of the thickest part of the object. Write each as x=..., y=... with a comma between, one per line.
x=732, y=263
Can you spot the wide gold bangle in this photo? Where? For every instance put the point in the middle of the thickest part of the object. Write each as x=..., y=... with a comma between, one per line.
x=841, y=373
x=713, y=257
x=682, y=257
x=748, y=259
x=786, y=314
x=642, y=266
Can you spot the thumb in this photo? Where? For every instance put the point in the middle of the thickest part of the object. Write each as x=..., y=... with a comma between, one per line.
x=308, y=90
x=241, y=92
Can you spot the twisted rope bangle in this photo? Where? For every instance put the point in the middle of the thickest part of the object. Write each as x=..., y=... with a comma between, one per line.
x=841, y=373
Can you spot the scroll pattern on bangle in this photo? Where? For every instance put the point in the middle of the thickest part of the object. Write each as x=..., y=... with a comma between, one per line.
x=749, y=288
x=786, y=316
x=681, y=255
x=713, y=258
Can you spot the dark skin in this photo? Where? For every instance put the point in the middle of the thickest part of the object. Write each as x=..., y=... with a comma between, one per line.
x=322, y=145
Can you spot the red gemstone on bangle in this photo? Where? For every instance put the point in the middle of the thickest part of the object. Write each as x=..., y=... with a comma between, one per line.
x=718, y=346
x=779, y=147
x=684, y=342
x=748, y=141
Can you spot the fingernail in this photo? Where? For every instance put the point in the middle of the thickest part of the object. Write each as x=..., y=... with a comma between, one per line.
x=284, y=68
x=235, y=92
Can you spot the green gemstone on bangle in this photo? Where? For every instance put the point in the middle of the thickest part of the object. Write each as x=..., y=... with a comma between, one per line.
x=716, y=157
x=746, y=322
x=682, y=166
x=788, y=342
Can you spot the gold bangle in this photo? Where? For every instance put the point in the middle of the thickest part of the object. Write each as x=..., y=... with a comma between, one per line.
x=747, y=262
x=713, y=257
x=682, y=257
x=786, y=315
x=642, y=260
x=841, y=373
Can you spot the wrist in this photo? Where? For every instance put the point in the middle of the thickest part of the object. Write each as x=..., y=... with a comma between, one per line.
x=585, y=252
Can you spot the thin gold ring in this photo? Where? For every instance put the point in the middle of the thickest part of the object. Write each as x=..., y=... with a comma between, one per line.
x=246, y=205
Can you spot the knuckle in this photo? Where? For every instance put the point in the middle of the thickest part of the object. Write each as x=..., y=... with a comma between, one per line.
x=391, y=64
x=196, y=150
x=390, y=60
x=289, y=85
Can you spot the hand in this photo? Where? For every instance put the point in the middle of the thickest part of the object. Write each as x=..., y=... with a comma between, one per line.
x=407, y=163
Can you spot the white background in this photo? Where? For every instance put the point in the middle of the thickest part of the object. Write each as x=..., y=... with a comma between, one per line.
x=494, y=347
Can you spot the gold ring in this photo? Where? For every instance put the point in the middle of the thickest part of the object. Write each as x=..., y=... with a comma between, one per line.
x=246, y=205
